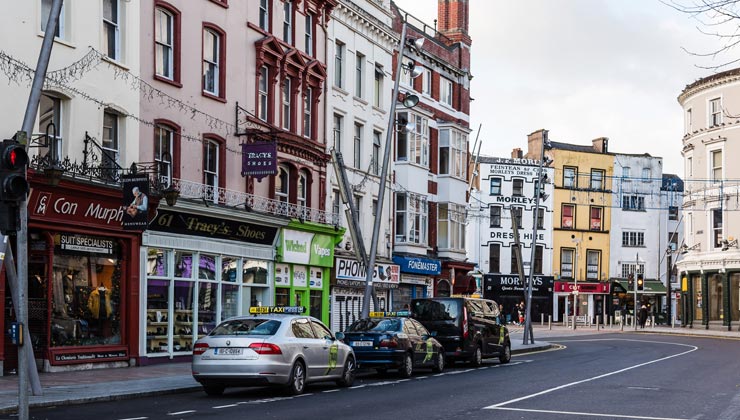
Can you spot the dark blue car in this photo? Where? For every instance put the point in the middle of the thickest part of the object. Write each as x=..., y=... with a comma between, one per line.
x=390, y=340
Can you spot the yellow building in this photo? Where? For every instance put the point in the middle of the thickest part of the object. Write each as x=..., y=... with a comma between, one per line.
x=581, y=221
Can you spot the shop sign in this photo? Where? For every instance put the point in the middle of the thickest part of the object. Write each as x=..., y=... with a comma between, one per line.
x=282, y=275
x=90, y=356
x=502, y=284
x=259, y=159
x=71, y=242
x=315, y=281
x=423, y=281
x=513, y=166
x=583, y=287
x=349, y=269
x=307, y=248
x=508, y=234
x=418, y=265
x=136, y=201
x=47, y=205
x=212, y=227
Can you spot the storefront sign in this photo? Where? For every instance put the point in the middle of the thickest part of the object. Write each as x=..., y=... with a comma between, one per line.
x=583, y=287
x=211, y=227
x=71, y=242
x=307, y=248
x=418, y=265
x=45, y=205
x=136, y=201
x=259, y=159
x=350, y=269
x=502, y=284
x=315, y=281
x=282, y=275
x=508, y=234
x=90, y=356
x=506, y=164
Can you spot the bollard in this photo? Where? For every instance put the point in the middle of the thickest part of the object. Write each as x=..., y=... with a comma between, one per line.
x=621, y=325
x=549, y=322
x=652, y=322
x=565, y=320
x=574, y=322
x=542, y=319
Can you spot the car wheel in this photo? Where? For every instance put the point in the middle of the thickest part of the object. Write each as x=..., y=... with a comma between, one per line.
x=407, y=368
x=505, y=356
x=348, y=375
x=297, y=381
x=214, y=390
x=477, y=358
x=439, y=364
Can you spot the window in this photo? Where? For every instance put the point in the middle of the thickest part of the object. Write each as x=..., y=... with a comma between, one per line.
x=538, y=259
x=309, y=35
x=514, y=268
x=110, y=145
x=111, y=30
x=566, y=263
x=633, y=239
x=646, y=175
x=411, y=218
x=338, y=121
x=592, y=264
x=50, y=120
x=288, y=22
x=307, y=105
x=715, y=112
x=357, y=150
x=494, y=258
x=517, y=187
x=540, y=218
x=212, y=59
x=359, y=74
x=166, y=52
x=375, y=166
x=568, y=216
x=338, y=64
x=445, y=88
x=426, y=87
x=164, y=141
x=516, y=215
x=633, y=202
x=569, y=177
x=688, y=124
x=716, y=163
x=629, y=268
x=597, y=179
x=302, y=189
x=626, y=174
x=335, y=203
x=414, y=146
x=596, y=213
x=375, y=207
x=406, y=78
x=262, y=94
x=45, y=10
x=689, y=166
x=673, y=213
x=717, y=227
x=451, y=226
x=378, y=86
x=495, y=216
x=211, y=163
x=495, y=186
x=287, y=103
x=282, y=180
x=453, y=153
x=264, y=15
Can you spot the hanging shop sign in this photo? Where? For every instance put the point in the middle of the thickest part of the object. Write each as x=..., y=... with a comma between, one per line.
x=259, y=159
x=502, y=284
x=136, y=201
x=352, y=273
x=418, y=265
x=306, y=248
x=211, y=227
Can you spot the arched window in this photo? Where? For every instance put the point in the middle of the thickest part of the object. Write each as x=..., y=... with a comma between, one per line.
x=282, y=184
x=302, y=190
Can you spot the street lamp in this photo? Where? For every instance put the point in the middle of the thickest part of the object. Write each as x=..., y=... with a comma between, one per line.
x=417, y=43
x=577, y=241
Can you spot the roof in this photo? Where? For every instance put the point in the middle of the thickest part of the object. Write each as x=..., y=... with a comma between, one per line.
x=712, y=78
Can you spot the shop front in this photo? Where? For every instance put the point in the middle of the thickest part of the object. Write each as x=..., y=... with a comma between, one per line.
x=585, y=301
x=417, y=275
x=348, y=285
x=198, y=270
x=623, y=298
x=83, y=279
x=508, y=290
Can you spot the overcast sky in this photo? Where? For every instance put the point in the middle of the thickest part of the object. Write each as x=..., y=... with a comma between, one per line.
x=581, y=69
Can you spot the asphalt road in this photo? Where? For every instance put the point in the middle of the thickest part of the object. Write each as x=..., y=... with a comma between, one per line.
x=605, y=376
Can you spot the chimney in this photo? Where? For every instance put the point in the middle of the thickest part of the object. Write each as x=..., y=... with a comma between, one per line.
x=534, y=144
x=453, y=20
x=601, y=145
x=517, y=153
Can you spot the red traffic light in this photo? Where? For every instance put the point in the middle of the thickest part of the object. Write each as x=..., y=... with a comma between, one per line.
x=13, y=183
x=14, y=157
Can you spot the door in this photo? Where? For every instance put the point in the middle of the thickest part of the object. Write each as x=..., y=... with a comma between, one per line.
x=332, y=354
x=312, y=348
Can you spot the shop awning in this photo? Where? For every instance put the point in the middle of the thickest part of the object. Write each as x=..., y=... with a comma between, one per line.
x=652, y=287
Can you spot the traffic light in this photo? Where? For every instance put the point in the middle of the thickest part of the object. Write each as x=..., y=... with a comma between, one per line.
x=640, y=283
x=13, y=184
x=630, y=282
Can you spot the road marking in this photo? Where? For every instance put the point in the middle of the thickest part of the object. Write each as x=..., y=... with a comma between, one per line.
x=330, y=390
x=358, y=386
x=576, y=413
x=645, y=388
x=593, y=378
x=225, y=406
x=181, y=412
x=421, y=377
x=135, y=418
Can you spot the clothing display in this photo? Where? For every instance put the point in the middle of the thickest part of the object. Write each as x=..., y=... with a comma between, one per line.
x=99, y=303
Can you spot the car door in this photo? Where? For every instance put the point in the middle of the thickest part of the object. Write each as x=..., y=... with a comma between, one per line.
x=429, y=353
x=496, y=329
x=415, y=341
x=311, y=347
x=332, y=354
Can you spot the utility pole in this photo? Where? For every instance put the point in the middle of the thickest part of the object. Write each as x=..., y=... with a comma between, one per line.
x=634, y=289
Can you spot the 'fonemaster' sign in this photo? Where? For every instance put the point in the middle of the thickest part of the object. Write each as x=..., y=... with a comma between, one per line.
x=307, y=248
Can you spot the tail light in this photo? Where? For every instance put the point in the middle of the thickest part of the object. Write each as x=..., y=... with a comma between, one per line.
x=200, y=348
x=265, y=348
x=465, y=322
x=389, y=342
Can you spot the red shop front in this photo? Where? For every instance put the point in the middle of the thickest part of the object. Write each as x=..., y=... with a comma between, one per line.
x=83, y=279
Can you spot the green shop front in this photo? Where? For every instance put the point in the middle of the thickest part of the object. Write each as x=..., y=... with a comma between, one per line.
x=305, y=255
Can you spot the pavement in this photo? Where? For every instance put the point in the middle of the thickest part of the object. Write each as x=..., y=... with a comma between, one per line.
x=77, y=387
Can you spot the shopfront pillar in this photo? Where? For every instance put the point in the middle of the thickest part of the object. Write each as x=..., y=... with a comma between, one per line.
x=705, y=300
x=727, y=308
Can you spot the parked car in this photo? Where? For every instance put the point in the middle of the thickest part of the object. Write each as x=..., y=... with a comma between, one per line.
x=288, y=350
x=468, y=328
x=391, y=340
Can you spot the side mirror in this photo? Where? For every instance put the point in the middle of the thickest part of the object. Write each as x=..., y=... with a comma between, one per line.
x=339, y=336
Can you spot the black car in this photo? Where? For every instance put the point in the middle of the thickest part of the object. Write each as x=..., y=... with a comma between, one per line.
x=389, y=340
x=468, y=328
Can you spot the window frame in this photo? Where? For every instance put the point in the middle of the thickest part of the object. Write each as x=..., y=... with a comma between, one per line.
x=564, y=217
x=282, y=189
x=359, y=75
x=339, y=53
x=263, y=19
x=115, y=26
x=494, y=258
x=111, y=164
x=495, y=216
x=715, y=111
x=357, y=145
x=567, y=265
x=338, y=123
x=592, y=274
x=596, y=218
x=56, y=144
x=445, y=91
x=375, y=167
x=288, y=18
x=286, y=104
x=713, y=168
x=44, y=19
x=378, y=86
x=597, y=179
x=212, y=146
x=517, y=187
x=493, y=188
x=263, y=93
x=159, y=157
x=174, y=49
x=308, y=113
x=308, y=38
x=570, y=173
x=220, y=63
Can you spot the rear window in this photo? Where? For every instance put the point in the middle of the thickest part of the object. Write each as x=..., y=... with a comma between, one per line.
x=375, y=325
x=437, y=310
x=250, y=326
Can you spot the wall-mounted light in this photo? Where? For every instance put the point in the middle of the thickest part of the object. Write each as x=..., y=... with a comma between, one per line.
x=732, y=243
x=685, y=248
x=171, y=194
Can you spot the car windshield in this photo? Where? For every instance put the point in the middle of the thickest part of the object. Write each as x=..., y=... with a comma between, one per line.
x=375, y=324
x=252, y=326
x=436, y=310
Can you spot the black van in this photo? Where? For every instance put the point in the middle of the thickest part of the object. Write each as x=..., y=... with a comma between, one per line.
x=468, y=328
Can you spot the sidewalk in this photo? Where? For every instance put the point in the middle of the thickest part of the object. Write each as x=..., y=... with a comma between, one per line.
x=116, y=384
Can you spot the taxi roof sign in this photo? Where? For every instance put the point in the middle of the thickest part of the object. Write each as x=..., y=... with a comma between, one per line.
x=389, y=314
x=277, y=310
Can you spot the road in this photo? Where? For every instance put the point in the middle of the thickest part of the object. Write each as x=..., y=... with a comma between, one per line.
x=604, y=376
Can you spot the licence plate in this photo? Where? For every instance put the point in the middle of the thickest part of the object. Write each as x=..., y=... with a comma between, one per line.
x=361, y=344
x=226, y=351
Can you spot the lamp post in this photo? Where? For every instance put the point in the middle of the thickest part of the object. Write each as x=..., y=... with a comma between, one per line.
x=384, y=175
x=575, y=281
x=634, y=289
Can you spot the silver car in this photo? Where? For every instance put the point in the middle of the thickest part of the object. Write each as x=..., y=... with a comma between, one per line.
x=271, y=349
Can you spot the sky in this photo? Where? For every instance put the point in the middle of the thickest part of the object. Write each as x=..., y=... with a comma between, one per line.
x=581, y=69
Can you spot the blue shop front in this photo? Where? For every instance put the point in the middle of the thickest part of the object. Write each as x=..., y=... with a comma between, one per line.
x=416, y=280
